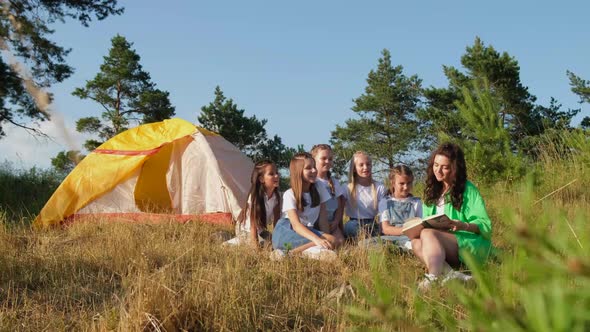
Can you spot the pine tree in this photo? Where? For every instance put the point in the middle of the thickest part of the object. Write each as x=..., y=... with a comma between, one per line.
x=223, y=117
x=386, y=127
x=65, y=161
x=485, y=139
x=24, y=35
x=247, y=133
x=581, y=87
x=516, y=105
x=125, y=93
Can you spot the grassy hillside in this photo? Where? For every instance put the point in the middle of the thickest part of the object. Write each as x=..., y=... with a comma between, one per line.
x=116, y=276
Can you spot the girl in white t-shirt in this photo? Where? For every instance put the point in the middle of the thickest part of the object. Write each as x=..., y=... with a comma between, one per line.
x=322, y=153
x=364, y=195
x=262, y=208
x=398, y=207
x=303, y=204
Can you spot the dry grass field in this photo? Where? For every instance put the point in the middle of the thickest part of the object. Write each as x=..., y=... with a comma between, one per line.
x=105, y=275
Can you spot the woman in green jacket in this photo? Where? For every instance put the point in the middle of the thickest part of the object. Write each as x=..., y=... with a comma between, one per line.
x=469, y=228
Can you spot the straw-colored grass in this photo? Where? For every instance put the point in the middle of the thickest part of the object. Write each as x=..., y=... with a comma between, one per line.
x=104, y=275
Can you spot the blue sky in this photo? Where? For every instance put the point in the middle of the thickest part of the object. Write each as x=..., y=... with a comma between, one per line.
x=300, y=64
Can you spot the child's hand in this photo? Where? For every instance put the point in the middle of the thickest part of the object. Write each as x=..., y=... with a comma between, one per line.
x=323, y=243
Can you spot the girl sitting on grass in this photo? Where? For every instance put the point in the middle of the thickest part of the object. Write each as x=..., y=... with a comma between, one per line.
x=364, y=195
x=398, y=207
x=322, y=153
x=303, y=204
x=262, y=208
x=469, y=229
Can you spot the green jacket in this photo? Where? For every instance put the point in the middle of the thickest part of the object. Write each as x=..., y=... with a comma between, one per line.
x=472, y=211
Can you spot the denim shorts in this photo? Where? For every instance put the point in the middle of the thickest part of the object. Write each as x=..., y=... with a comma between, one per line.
x=284, y=237
x=352, y=228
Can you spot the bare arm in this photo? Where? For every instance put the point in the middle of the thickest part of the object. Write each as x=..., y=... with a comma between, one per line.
x=464, y=226
x=300, y=229
x=339, y=214
x=323, y=221
x=254, y=234
x=388, y=229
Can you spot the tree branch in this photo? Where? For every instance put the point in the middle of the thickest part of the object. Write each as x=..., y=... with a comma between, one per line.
x=33, y=131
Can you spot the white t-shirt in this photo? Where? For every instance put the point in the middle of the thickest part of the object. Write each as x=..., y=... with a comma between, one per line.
x=384, y=211
x=309, y=214
x=440, y=205
x=269, y=206
x=339, y=190
x=365, y=207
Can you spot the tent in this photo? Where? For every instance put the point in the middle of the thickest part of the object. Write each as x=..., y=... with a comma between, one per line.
x=171, y=168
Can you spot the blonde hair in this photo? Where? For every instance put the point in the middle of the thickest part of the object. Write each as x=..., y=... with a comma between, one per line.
x=314, y=152
x=352, y=180
x=296, y=172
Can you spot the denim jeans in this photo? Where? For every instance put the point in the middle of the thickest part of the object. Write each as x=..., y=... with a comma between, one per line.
x=284, y=237
x=353, y=227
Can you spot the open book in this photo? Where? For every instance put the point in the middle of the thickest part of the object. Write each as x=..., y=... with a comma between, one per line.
x=413, y=226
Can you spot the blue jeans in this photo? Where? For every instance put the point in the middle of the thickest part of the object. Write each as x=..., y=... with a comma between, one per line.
x=285, y=238
x=352, y=228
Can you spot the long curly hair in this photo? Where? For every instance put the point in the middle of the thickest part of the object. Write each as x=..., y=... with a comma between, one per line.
x=434, y=188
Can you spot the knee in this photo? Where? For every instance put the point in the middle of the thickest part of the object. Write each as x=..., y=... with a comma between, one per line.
x=350, y=229
x=417, y=247
x=428, y=234
x=338, y=241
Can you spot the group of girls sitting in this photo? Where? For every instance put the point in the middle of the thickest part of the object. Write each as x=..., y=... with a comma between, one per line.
x=308, y=218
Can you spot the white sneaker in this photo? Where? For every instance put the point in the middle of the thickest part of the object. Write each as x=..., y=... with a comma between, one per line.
x=277, y=255
x=407, y=245
x=319, y=253
x=426, y=283
x=236, y=241
x=452, y=274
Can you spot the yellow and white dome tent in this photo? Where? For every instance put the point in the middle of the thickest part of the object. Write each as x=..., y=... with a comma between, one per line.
x=171, y=168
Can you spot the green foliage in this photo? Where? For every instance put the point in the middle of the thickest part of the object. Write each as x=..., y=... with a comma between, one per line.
x=540, y=281
x=24, y=33
x=106, y=275
x=387, y=127
x=247, y=133
x=65, y=161
x=581, y=87
x=125, y=92
x=274, y=149
x=485, y=140
x=380, y=311
x=24, y=192
x=516, y=105
x=439, y=116
x=545, y=280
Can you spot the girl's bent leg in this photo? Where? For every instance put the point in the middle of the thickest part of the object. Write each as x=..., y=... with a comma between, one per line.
x=437, y=249
x=339, y=237
x=417, y=248
x=285, y=238
x=351, y=229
